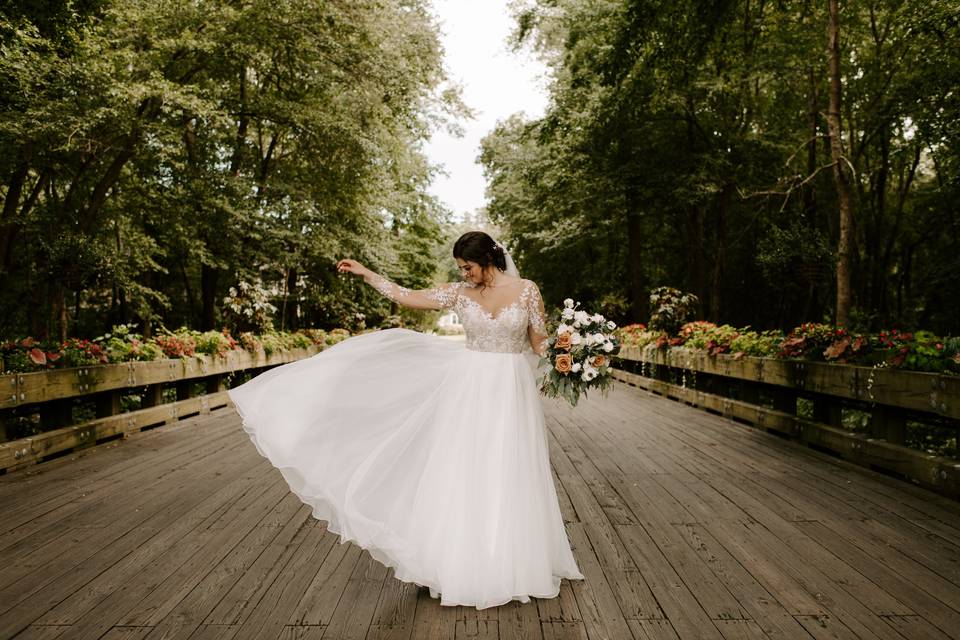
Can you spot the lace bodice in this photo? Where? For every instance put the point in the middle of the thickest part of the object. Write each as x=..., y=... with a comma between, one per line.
x=506, y=331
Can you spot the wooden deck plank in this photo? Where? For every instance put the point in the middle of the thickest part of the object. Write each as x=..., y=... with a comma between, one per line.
x=68, y=572
x=221, y=556
x=686, y=525
x=85, y=503
x=111, y=594
x=103, y=466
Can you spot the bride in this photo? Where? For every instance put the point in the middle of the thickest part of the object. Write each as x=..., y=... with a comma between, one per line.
x=431, y=456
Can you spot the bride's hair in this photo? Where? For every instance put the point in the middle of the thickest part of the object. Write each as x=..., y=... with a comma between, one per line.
x=479, y=247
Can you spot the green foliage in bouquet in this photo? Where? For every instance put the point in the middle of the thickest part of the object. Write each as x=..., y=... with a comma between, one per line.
x=579, y=354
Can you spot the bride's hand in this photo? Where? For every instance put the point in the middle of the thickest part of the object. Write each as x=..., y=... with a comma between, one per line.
x=351, y=266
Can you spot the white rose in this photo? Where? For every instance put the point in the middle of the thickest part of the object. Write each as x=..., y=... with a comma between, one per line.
x=608, y=346
x=611, y=325
x=598, y=318
x=576, y=367
x=576, y=338
x=566, y=314
x=563, y=328
x=599, y=338
x=568, y=303
x=582, y=316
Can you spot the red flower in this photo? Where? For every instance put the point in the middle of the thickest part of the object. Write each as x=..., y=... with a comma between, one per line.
x=37, y=356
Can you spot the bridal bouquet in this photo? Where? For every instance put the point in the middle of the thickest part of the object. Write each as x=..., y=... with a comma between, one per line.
x=579, y=353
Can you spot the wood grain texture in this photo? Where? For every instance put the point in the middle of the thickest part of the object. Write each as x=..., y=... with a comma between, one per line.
x=686, y=525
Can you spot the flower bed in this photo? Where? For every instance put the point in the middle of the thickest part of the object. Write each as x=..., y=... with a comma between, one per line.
x=917, y=351
x=121, y=344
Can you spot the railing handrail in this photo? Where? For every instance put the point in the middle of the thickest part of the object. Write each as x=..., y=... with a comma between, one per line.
x=17, y=389
x=731, y=386
x=934, y=393
x=52, y=392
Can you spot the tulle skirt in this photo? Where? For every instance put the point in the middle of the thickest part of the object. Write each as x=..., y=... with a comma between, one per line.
x=430, y=456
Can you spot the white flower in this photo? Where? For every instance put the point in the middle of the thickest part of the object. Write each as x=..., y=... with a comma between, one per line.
x=598, y=318
x=233, y=291
x=568, y=303
x=608, y=346
x=566, y=314
x=576, y=324
x=249, y=312
x=576, y=367
x=599, y=338
x=581, y=316
x=576, y=338
x=563, y=328
x=611, y=325
x=589, y=373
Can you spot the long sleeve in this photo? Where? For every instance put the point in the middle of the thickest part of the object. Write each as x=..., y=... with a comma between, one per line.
x=537, y=323
x=443, y=296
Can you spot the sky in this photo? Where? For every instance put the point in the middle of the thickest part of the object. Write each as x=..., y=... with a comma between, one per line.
x=495, y=83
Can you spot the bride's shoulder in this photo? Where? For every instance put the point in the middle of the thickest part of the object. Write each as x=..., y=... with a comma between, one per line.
x=529, y=284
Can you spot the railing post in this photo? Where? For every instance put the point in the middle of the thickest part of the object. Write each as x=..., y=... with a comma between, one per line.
x=889, y=424
x=827, y=411
x=184, y=389
x=749, y=392
x=784, y=400
x=152, y=396
x=108, y=404
x=56, y=413
x=215, y=383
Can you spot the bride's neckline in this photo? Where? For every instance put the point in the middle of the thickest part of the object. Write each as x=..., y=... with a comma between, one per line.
x=501, y=310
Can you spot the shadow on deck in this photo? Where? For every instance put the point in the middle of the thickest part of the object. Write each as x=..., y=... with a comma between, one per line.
x=685, y=524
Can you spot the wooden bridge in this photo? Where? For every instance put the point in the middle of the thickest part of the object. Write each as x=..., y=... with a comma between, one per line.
x=685, y=524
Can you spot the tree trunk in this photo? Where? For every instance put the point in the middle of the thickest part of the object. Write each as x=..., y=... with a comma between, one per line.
x=720, y=257
x=638, y=286
x=208, y=293
x=844, y=298
x=188, y=289
x=809, y=194
x=696, y=281
x=11, y=202
x=292, y=304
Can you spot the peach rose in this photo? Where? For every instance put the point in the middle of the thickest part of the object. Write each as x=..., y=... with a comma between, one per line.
x=563, y=341
x=563, y=363
x=598, y=361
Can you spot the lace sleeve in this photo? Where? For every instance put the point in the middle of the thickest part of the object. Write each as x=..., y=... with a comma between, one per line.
x=537, y=322
x=443, y=296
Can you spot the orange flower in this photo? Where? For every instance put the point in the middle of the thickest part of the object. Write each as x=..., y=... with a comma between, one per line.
x=563, y=341
x=563, y=363
x=598, y=361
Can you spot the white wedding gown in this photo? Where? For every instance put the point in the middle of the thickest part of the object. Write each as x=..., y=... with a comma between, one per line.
x=429, y=454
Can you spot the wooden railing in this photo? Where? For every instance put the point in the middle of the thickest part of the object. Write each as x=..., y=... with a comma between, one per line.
x=49, y=398
x=764, y=392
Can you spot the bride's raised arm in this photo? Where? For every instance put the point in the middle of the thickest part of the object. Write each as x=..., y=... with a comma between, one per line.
x=440, y=297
